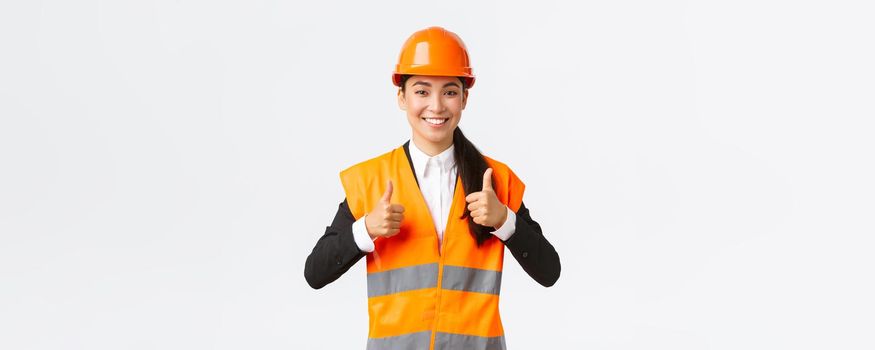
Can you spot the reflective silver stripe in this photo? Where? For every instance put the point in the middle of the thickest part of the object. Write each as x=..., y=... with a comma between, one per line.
x=471, y=279
x=448, y=341
x=418, y=340
x=403, y=279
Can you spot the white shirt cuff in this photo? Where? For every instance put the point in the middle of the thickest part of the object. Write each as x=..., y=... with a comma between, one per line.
x=508, y=228
x=360, y=233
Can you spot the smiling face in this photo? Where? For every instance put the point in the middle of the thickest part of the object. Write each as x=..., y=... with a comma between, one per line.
x=434, y=107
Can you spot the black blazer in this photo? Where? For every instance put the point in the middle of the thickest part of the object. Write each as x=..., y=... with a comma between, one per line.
x=336, y=252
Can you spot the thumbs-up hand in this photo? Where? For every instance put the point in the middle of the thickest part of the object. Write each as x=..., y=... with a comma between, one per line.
x=485, y=207
x=385, y=219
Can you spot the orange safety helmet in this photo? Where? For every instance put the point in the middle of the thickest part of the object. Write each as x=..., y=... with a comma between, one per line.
x=434, y=51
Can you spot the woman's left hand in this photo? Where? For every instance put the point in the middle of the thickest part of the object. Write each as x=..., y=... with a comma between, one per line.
x=485, y=207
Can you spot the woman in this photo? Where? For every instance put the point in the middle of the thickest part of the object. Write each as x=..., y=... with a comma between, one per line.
x=433, y=217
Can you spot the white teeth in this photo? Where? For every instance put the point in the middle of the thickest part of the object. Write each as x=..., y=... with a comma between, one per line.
x=435, y=121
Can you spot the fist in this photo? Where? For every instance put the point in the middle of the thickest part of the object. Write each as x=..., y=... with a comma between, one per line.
x=485, y=208
x=385, y=219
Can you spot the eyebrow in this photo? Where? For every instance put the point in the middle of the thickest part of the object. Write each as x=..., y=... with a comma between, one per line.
x=429, y=84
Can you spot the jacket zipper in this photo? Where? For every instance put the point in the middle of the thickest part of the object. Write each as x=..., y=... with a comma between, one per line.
x=441, y=250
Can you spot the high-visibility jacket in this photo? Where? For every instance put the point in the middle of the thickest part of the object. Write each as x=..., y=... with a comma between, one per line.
x=419, y=296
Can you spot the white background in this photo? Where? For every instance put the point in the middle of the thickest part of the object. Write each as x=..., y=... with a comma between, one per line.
x=704, y=169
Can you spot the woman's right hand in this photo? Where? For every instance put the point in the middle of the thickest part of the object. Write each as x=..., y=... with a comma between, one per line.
x=385, y=219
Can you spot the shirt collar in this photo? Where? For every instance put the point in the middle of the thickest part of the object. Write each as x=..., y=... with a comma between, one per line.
x=447, y=158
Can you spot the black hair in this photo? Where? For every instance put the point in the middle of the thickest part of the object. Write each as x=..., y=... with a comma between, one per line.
x=470, y=165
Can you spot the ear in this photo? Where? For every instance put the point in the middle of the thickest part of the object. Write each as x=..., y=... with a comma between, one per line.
x=464, y=98
x=402, y=100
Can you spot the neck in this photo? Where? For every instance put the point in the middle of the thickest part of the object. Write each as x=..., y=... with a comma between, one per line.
x=431, y=148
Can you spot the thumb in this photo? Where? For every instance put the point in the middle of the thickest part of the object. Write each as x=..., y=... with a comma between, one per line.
x=387, y=196
x=487, y=179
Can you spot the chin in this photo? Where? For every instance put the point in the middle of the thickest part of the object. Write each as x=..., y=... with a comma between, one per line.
x=437, y=137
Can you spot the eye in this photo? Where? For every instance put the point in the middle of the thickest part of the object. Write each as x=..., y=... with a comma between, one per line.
x=421, y=92
x=452, y=93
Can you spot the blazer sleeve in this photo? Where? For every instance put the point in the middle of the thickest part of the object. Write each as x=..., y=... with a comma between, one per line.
x=532, y=250
x=335, y=252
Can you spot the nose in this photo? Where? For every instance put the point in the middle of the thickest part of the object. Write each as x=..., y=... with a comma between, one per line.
x=436, y=105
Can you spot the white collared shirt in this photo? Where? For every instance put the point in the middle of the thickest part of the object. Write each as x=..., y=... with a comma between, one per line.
x=437, y=181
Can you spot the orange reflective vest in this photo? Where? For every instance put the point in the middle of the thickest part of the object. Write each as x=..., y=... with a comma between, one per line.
x=420, y=297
